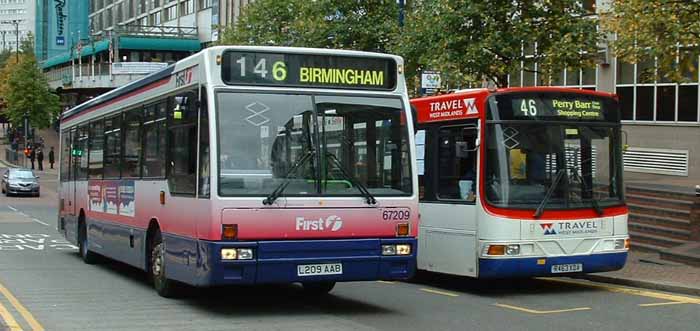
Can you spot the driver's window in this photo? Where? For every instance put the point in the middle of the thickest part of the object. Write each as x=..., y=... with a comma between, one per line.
x=457, y=153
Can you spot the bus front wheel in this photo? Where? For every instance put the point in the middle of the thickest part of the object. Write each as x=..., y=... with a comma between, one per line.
x=165, y=287
x=319, y=288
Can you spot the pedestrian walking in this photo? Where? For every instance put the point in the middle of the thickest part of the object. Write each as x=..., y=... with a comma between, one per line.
x=51, y=157
x=32, y=156
x=40, y=158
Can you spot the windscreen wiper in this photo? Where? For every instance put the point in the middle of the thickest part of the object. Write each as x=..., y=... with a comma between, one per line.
x=594, y=202
x=369, y=198
x=287, y=178
x=556, y=181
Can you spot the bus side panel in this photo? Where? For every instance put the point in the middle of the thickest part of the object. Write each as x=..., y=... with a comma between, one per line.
x=447, y=241
x=179, y=219
x=70, y=223
x=123, y=242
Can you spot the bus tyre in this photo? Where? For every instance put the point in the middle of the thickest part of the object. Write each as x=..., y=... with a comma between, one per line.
x=165, y=287
x=319, y=288
x=86, y=254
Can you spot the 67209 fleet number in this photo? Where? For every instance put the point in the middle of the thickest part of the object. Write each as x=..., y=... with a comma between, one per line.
x=396, y=214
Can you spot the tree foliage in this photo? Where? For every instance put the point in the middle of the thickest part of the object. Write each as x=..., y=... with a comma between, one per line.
x=26, y=91
x=476, y=40
x=661, y=29
x=343, y=24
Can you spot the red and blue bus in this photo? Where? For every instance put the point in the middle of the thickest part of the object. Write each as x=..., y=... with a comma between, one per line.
x=520, y=182
x=247, y=165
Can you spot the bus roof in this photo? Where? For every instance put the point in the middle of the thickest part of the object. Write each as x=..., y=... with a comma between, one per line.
x=166, y=73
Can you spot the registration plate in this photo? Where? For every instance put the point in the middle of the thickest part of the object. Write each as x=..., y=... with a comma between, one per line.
x=320, y=269
x=561, y=268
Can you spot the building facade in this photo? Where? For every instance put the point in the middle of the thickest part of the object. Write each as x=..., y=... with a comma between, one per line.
x=231, y=10
x=16, y=22
x=59, y=25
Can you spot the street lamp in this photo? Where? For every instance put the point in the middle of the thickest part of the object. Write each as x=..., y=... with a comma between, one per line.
x=16, y=24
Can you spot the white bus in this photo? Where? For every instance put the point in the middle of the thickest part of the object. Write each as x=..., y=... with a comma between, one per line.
x=520, y=182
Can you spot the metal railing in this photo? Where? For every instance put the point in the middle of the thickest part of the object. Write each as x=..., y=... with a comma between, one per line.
x=14, y=157
x=189, y=32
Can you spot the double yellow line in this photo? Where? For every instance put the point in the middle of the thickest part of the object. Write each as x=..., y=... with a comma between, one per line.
x=26, y=315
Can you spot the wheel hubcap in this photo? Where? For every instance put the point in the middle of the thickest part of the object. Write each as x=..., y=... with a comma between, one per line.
x=157, y=260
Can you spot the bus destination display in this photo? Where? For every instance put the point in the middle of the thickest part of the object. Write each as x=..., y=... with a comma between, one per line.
x=557, y=107
x=303, y=70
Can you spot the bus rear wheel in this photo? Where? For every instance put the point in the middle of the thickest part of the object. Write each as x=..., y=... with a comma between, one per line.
x=318, y=288
x=88, y=256
x=165, y=287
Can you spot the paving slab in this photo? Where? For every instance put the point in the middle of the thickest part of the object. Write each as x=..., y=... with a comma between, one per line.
x=647, y=270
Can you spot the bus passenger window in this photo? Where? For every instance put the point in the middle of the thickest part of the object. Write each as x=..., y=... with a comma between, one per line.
x=131, y=158
x=96, y=142
x=113, y=146
x=153, y=140
x=65, y=156
x=457, y=163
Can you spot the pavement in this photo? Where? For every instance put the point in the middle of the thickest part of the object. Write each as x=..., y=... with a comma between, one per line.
x=647, y=270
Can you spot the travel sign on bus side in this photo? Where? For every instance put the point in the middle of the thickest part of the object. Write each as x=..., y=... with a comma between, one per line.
x=449, y=107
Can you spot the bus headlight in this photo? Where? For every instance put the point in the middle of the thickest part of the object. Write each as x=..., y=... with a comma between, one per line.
x=500, y=250
x=229, y=254
x=513, y=250
x=245, y=253
x=400, y=249
x=236, y=253
x=622, y=243
x=403, y=249
x=388, y=249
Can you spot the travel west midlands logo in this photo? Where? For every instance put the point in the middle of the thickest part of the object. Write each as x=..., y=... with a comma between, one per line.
x=548, y=228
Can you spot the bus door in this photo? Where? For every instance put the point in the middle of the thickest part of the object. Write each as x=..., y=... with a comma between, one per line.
x=70, y=203
x=447, y=179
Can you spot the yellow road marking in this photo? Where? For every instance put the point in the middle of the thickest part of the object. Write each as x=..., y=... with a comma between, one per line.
x=385, y=282
x=439, y=292
x=33, y=323
x=630, y=291
x=9, y=320
x=661, y=304
x=539, y=312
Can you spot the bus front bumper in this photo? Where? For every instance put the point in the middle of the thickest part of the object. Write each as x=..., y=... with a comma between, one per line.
x=279, y=261
x=550, y=266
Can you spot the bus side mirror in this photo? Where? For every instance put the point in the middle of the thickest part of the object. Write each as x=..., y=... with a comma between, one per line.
x=414, y=119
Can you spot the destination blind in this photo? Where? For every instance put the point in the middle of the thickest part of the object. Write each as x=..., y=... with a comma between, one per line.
x=556, y=106
x=303, y=70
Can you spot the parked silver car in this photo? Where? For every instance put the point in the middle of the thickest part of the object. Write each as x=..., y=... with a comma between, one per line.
x=20, y=181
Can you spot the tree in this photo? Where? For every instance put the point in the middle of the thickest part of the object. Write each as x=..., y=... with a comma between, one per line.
x=343, y=24
x=661, y=29
x=477, y=40
x=27, y=92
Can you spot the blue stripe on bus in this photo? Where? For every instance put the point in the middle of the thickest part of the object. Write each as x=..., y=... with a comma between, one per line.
x=118, y=92
x=277, y=261
x=198, y=262
x=528, y=267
